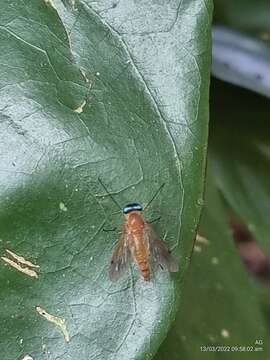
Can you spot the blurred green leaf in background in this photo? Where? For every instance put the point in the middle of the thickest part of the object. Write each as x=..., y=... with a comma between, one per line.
x=226, y=304
x=241, y=43
x=223, y=306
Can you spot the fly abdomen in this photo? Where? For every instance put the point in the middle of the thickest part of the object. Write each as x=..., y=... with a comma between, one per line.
x=145, y=270
x=146, y=274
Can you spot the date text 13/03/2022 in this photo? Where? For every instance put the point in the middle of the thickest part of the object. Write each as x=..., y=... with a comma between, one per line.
x=233, y=348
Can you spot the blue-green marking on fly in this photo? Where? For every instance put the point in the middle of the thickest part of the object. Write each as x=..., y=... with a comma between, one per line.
x=132, y=207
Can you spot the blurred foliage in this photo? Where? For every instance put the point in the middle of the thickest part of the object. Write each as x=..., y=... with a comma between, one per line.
x=241, y=60
x=224, y=305
x=240, y=147
x=241, y=43
x=251, y=16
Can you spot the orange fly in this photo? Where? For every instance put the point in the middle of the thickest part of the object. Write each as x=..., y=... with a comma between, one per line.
x=139, y=242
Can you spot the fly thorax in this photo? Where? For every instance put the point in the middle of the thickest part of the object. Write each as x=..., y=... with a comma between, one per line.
x=135, y=221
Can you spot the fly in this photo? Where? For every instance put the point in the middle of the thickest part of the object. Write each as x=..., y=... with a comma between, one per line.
x=139, y=242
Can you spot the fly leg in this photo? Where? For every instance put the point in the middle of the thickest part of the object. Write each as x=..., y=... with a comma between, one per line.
x=107, y=230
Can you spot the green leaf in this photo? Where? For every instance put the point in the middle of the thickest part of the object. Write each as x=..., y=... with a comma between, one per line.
x=223, y=314
x=91, y=92
x=241, y=152
x=241, y=44
x=241, y=60
x=222, y=305
x=255, y=20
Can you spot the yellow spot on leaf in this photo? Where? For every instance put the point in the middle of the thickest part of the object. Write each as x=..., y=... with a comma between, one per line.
x=19, y=263
x=80, y=108
x=84, y=75
x=57, y=321
x=62, y=206
x=50, y=3
x=197, y=248
x=21, y=259
x=202, y=240
x=225, y=333
x=27, y=357
x=73, y=3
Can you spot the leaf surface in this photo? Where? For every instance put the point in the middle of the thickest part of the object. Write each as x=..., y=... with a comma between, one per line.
x=83, y=98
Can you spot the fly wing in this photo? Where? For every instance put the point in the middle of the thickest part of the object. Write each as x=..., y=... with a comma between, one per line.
x=159, y=251
x=121, y=257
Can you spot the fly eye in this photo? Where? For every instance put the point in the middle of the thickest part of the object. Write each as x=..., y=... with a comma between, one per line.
x=112, y=262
